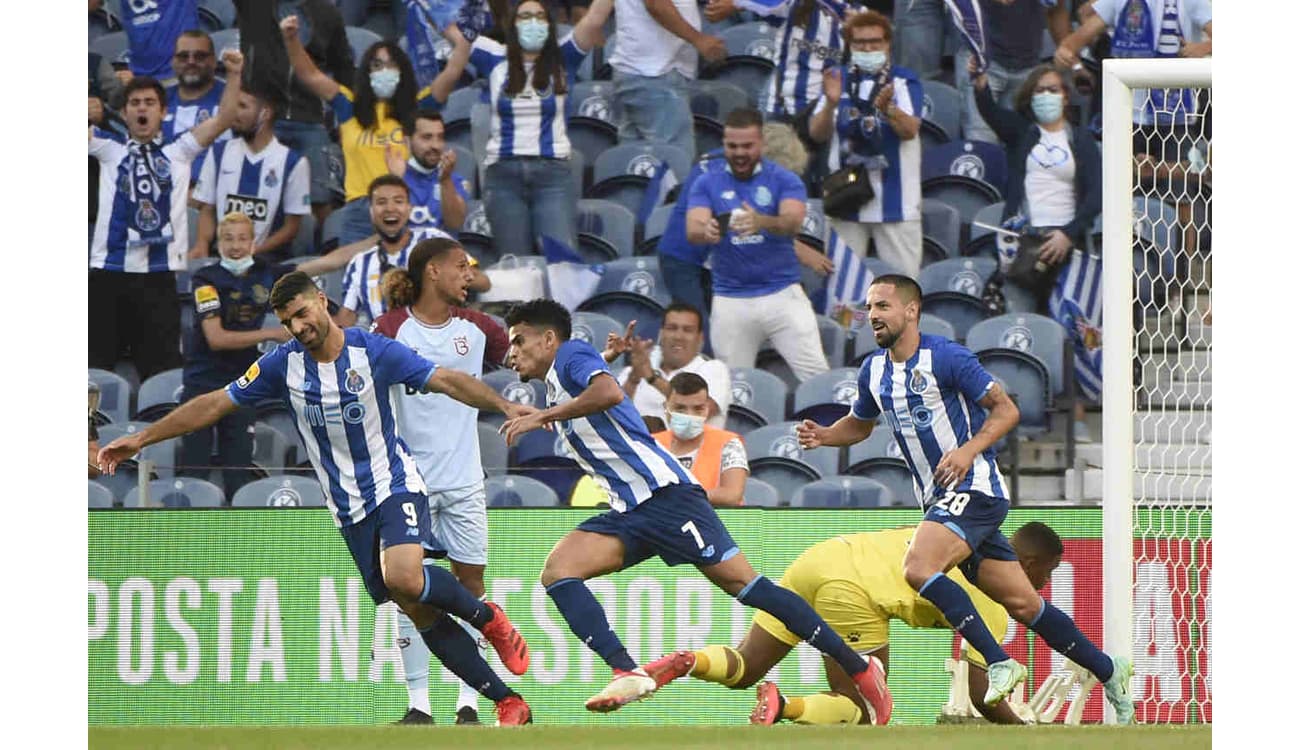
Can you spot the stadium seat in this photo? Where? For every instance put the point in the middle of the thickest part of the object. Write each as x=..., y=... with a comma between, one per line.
x=786, y=475
x=287, y=491
x=330, y=231
x=941, y=223
x=609, y=221
x=760, y=494
x=159, y=395
x=494, y=455
x=834, y=340
x=631, y=289
x=813, y=230
x=626, y=307
x=879, y=457
x=476, y=222
x=622, y=173
x=120, y=483
x=163, y=454
x=274, y=414
x=984, y=241
x=961, y=310
x=111, y=46
x=544, y=456
x=507, y=383
x=114, y=396
x=223, y=38
x=515, y=491
x=178, y=492
x=273, y=451
x=753, y=38
x=361, y=39
x=742, y=421
x=99, y=496
x=942, y=106
x=590, y=138
x=977, y=159
x=778, y=440
x=708, y=134
x=592, y=100
x=102, y=23
x=220, y=12
x=1025, y=378
x=655, y=226
x=865, y=341
x=966, y=194
x=745, y=72
x=594, y=328
x=1026, y=332
x=304, y=242
x=956, y=286
x=843, y=492
x=932, y=135
x=760, y=394
x=716, y=99
x=826, y=397
x=461, y=101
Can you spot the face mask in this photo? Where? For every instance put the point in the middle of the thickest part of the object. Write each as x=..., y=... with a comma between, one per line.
x=238, y=267
x=1047, y=107
x=871, y=62
x=685, y=426
x=384, y=82
x=532, y=34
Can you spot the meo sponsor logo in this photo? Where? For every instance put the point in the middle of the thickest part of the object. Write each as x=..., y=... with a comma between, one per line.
x=250, y=205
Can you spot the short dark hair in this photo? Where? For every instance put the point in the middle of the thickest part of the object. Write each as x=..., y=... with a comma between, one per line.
x=686, y=307
x=906, y=285
x=196, y=34
x=289, y=286
x=744, y=117
x=1041, y=538
x=408, y=127
x=145, y=82
x=542, y=313
x=391, y=180
x=688, y=383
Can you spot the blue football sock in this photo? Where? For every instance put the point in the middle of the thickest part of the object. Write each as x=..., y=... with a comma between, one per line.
x=442, y=590
x=454, y=648
x=1064, y=637
x=798, y=616
x=587, y=620
x=957, y=608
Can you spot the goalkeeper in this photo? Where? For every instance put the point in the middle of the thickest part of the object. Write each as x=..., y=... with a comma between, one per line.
x=855, y=582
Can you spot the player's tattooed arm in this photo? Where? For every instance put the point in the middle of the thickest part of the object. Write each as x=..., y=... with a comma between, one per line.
x=1003, y=415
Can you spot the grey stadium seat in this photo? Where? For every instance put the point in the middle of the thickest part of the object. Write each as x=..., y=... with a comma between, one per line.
x=179, y=492
x=494, y=455
x=760, y=494
x=609, y=221
x=1026, y=332
x=826, y=397
x=594, y=328
x=163, y=454
x=100, y=496
x=843, y=492
x=288, y=491
x=758, y=392
x=159, y=395
x=775, y=457
x=512, y=491
x=114, y=396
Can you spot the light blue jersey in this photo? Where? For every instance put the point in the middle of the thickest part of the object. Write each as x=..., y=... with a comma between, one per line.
x=931, y=403
x=613, y=445
x=344, y=415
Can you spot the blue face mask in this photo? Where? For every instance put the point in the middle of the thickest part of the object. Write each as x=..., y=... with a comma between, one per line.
x=532, y=34
x=1047, y=107
x=685, y=426
x=871, y=61
x=384, y=82
x=238, y=267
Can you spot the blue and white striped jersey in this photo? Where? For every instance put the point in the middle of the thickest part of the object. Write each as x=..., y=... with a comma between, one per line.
x=344, y=414
x=265, y=186
x=361, y=278
x=614, y=445
x=130, y=203
x=531, y=123
x=931, y=402
x=183, y=115
x=803, y=52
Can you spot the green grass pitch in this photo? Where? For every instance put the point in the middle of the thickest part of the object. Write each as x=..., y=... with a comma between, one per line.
x=653, y=738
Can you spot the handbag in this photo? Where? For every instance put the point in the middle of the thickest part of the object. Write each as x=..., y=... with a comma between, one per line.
x=513, y=280
x=845, y=191
x=1027, y=271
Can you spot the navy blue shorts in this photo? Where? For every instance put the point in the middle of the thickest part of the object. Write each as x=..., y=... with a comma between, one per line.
x=976, y=518
x=401, y=519
x=676, y=522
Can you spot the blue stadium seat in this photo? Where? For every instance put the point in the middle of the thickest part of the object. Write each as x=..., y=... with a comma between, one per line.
x=507, y=383
x=952, y=290
x=966, y=194
x=755, y=39
x=1036, y=334
x=779, y=441
x=626, y=307
x=632, y=289
x=708, y=134
x=594, y=328
x=942, y=106
x=745, y=72
x=1025, y=378
x=941, y=223
x=826, y=397
x=494, y=455
x=621, y=173
x=159, y=395
x=516, y=491
x=716, y=99
x=655, y=226
x=760, y=494
x=591, y=99
x=977, y=159
x=932, y=135
x=179, y=492
x=879, y=457
x=114, y=396
x=843, y=492
x=785, y=475
x=99, y=496
x=760, y=395
x=361, y=39
x=287, y=491
x=609, y=221
x=984, y=241
x=544, y=456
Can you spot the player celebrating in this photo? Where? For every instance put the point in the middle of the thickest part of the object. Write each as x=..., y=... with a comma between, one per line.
x=337, y=383
x=947, y=412
x=442, y=432
x=656, y=508
x=856, y=582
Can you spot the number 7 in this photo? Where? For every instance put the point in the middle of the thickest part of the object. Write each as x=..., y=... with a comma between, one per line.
x=690, y=529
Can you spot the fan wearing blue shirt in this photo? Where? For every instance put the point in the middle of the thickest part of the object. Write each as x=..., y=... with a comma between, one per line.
x=438, y=192
x=657, y=508
x=756, y=291
x=338, y=385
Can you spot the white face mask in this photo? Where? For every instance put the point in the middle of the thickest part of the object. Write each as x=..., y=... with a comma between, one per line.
x=871, y=61
x=685, y=426
x=238, y=266
x=384, y=82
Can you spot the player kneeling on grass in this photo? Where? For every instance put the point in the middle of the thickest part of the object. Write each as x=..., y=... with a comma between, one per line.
x=657, y=508
x=338, y=384
x=856, y=583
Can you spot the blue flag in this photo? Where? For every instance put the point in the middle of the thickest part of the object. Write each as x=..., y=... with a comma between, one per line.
x=1076, y=304
x=572, y=279
x=661, y=184
x=969, y=19
x=425, y=21
x=847, y=288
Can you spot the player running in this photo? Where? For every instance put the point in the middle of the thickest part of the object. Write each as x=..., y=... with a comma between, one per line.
x=443, y=433
x=337, y=384
x=856, y=583
x=657, y=507
x=947, y=412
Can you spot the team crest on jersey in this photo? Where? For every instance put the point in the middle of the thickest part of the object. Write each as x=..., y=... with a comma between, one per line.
x=285, y=497
x=461, y=344
x=147, y=218
x=639, y=282
x=919, y=383
x=643, y=165
x=271, y=180
x=967, y=165
x=1018, y=337
x=519, y=393
x=249, y=376
x=846, y=392
x=355, y=383
x=922, y=417
x=201, y=116
x=763, y=196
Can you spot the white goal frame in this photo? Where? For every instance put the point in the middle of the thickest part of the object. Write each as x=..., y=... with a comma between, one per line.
x=1119, y=79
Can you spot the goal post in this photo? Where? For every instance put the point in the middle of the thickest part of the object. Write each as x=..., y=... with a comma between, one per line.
x=1128, y=445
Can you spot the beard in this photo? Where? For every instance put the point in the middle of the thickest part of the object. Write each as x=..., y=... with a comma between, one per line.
x=194, y=81
x=246, y=135
x=886, y=338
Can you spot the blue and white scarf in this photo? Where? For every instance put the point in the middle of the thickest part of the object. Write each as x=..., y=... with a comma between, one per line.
x=1135, y=37
x=425, y=20
x=144, y=197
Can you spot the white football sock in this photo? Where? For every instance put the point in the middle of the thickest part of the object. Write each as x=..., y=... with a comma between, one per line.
x=415, y=663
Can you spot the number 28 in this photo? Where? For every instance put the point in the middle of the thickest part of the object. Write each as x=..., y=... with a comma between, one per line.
x=953, y=502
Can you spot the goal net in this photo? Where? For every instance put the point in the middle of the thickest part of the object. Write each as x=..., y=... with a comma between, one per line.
x=1157, y=342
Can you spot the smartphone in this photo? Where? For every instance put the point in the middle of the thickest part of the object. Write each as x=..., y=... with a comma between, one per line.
x=724, y=220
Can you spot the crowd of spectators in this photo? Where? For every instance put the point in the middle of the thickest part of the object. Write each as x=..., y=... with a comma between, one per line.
x=269, y=144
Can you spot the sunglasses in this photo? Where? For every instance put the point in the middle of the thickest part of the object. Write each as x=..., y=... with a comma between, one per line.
x=195, y=56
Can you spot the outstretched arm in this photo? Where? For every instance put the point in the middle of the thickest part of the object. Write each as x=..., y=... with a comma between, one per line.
x=442, y=85
x=303, y=68
x=588, y=33
x=207, y=131
x=467, y=389
x=192, y=415
x=601, y=394
x=847, y=430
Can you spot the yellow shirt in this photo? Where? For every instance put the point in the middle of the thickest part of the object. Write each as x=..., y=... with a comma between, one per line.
x=363, y=149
